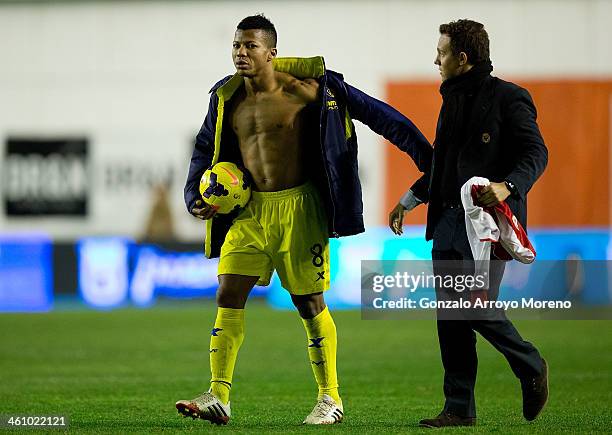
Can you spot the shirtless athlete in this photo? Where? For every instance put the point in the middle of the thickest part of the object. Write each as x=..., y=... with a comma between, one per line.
x=284, y=227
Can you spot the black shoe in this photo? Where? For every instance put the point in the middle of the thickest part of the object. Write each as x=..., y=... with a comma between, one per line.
x=535, y=393
x=446, y=419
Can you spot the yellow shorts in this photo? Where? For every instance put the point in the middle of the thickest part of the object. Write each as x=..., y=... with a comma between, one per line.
x=286, y=231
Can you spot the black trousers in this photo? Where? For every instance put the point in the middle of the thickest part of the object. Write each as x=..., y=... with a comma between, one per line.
x=457, y=337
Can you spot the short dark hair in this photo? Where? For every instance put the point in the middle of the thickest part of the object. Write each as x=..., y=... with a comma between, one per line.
x=468, y=36
x=260, y=22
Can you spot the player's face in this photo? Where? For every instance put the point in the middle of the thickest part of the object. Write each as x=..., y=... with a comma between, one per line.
x=250, y=52
x=448, y=63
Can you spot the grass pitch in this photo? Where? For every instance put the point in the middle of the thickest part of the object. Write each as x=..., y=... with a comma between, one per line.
x=122, y=371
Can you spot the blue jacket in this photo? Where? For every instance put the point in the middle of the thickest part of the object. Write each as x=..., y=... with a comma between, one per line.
x=334, y=166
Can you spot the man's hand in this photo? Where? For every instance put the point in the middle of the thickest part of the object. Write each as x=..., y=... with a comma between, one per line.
x=492, y=195
x=202, y=210
x=396, y=219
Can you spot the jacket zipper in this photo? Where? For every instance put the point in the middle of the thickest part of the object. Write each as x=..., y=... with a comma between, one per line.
x=331, y=197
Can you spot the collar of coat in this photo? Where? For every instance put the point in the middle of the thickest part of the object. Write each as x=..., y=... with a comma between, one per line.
x=298, y=67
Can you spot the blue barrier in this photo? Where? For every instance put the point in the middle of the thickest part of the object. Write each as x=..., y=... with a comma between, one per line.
x=114, y=271
x=26, y=273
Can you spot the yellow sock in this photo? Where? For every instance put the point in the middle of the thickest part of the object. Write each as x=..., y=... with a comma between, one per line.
x=225, y=340
x=322, y=345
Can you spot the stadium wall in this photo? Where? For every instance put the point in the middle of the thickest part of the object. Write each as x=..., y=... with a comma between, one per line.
x=131, y=78
x=574, y=117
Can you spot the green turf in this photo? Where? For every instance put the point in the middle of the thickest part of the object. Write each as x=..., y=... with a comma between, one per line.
x=122, y=371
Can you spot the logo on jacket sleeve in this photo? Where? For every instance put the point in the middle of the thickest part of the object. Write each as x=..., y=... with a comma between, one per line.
x=331, y=102
x=486, y=138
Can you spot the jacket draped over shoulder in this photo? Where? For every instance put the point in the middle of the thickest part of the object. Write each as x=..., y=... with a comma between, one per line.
x=335, y=171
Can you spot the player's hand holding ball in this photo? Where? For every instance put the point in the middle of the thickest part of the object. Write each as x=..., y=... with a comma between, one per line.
x=202, y=210
x=224, y=188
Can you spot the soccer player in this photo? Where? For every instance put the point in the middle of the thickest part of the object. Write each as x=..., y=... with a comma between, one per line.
x=288, y=122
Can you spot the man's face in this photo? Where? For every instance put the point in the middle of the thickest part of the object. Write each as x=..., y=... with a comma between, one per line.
x=448, y=64
x=250, y=52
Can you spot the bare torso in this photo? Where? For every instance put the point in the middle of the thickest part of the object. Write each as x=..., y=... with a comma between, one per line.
x=273, y=130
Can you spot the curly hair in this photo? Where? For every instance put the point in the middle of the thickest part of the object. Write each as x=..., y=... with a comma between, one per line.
x=260, y=22
x=469, y=37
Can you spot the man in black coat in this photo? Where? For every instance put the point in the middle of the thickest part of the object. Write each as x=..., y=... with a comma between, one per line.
x=486, y=128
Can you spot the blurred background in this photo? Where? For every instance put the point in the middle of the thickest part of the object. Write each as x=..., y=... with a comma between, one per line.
x=100, y=102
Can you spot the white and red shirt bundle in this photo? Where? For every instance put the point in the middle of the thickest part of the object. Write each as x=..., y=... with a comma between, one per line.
x=495, y=227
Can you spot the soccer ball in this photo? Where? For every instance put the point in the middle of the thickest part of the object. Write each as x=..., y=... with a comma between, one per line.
x=225, y=187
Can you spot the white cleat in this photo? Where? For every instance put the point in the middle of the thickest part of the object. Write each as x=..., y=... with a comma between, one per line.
x=206, y=407
x=326, y=411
